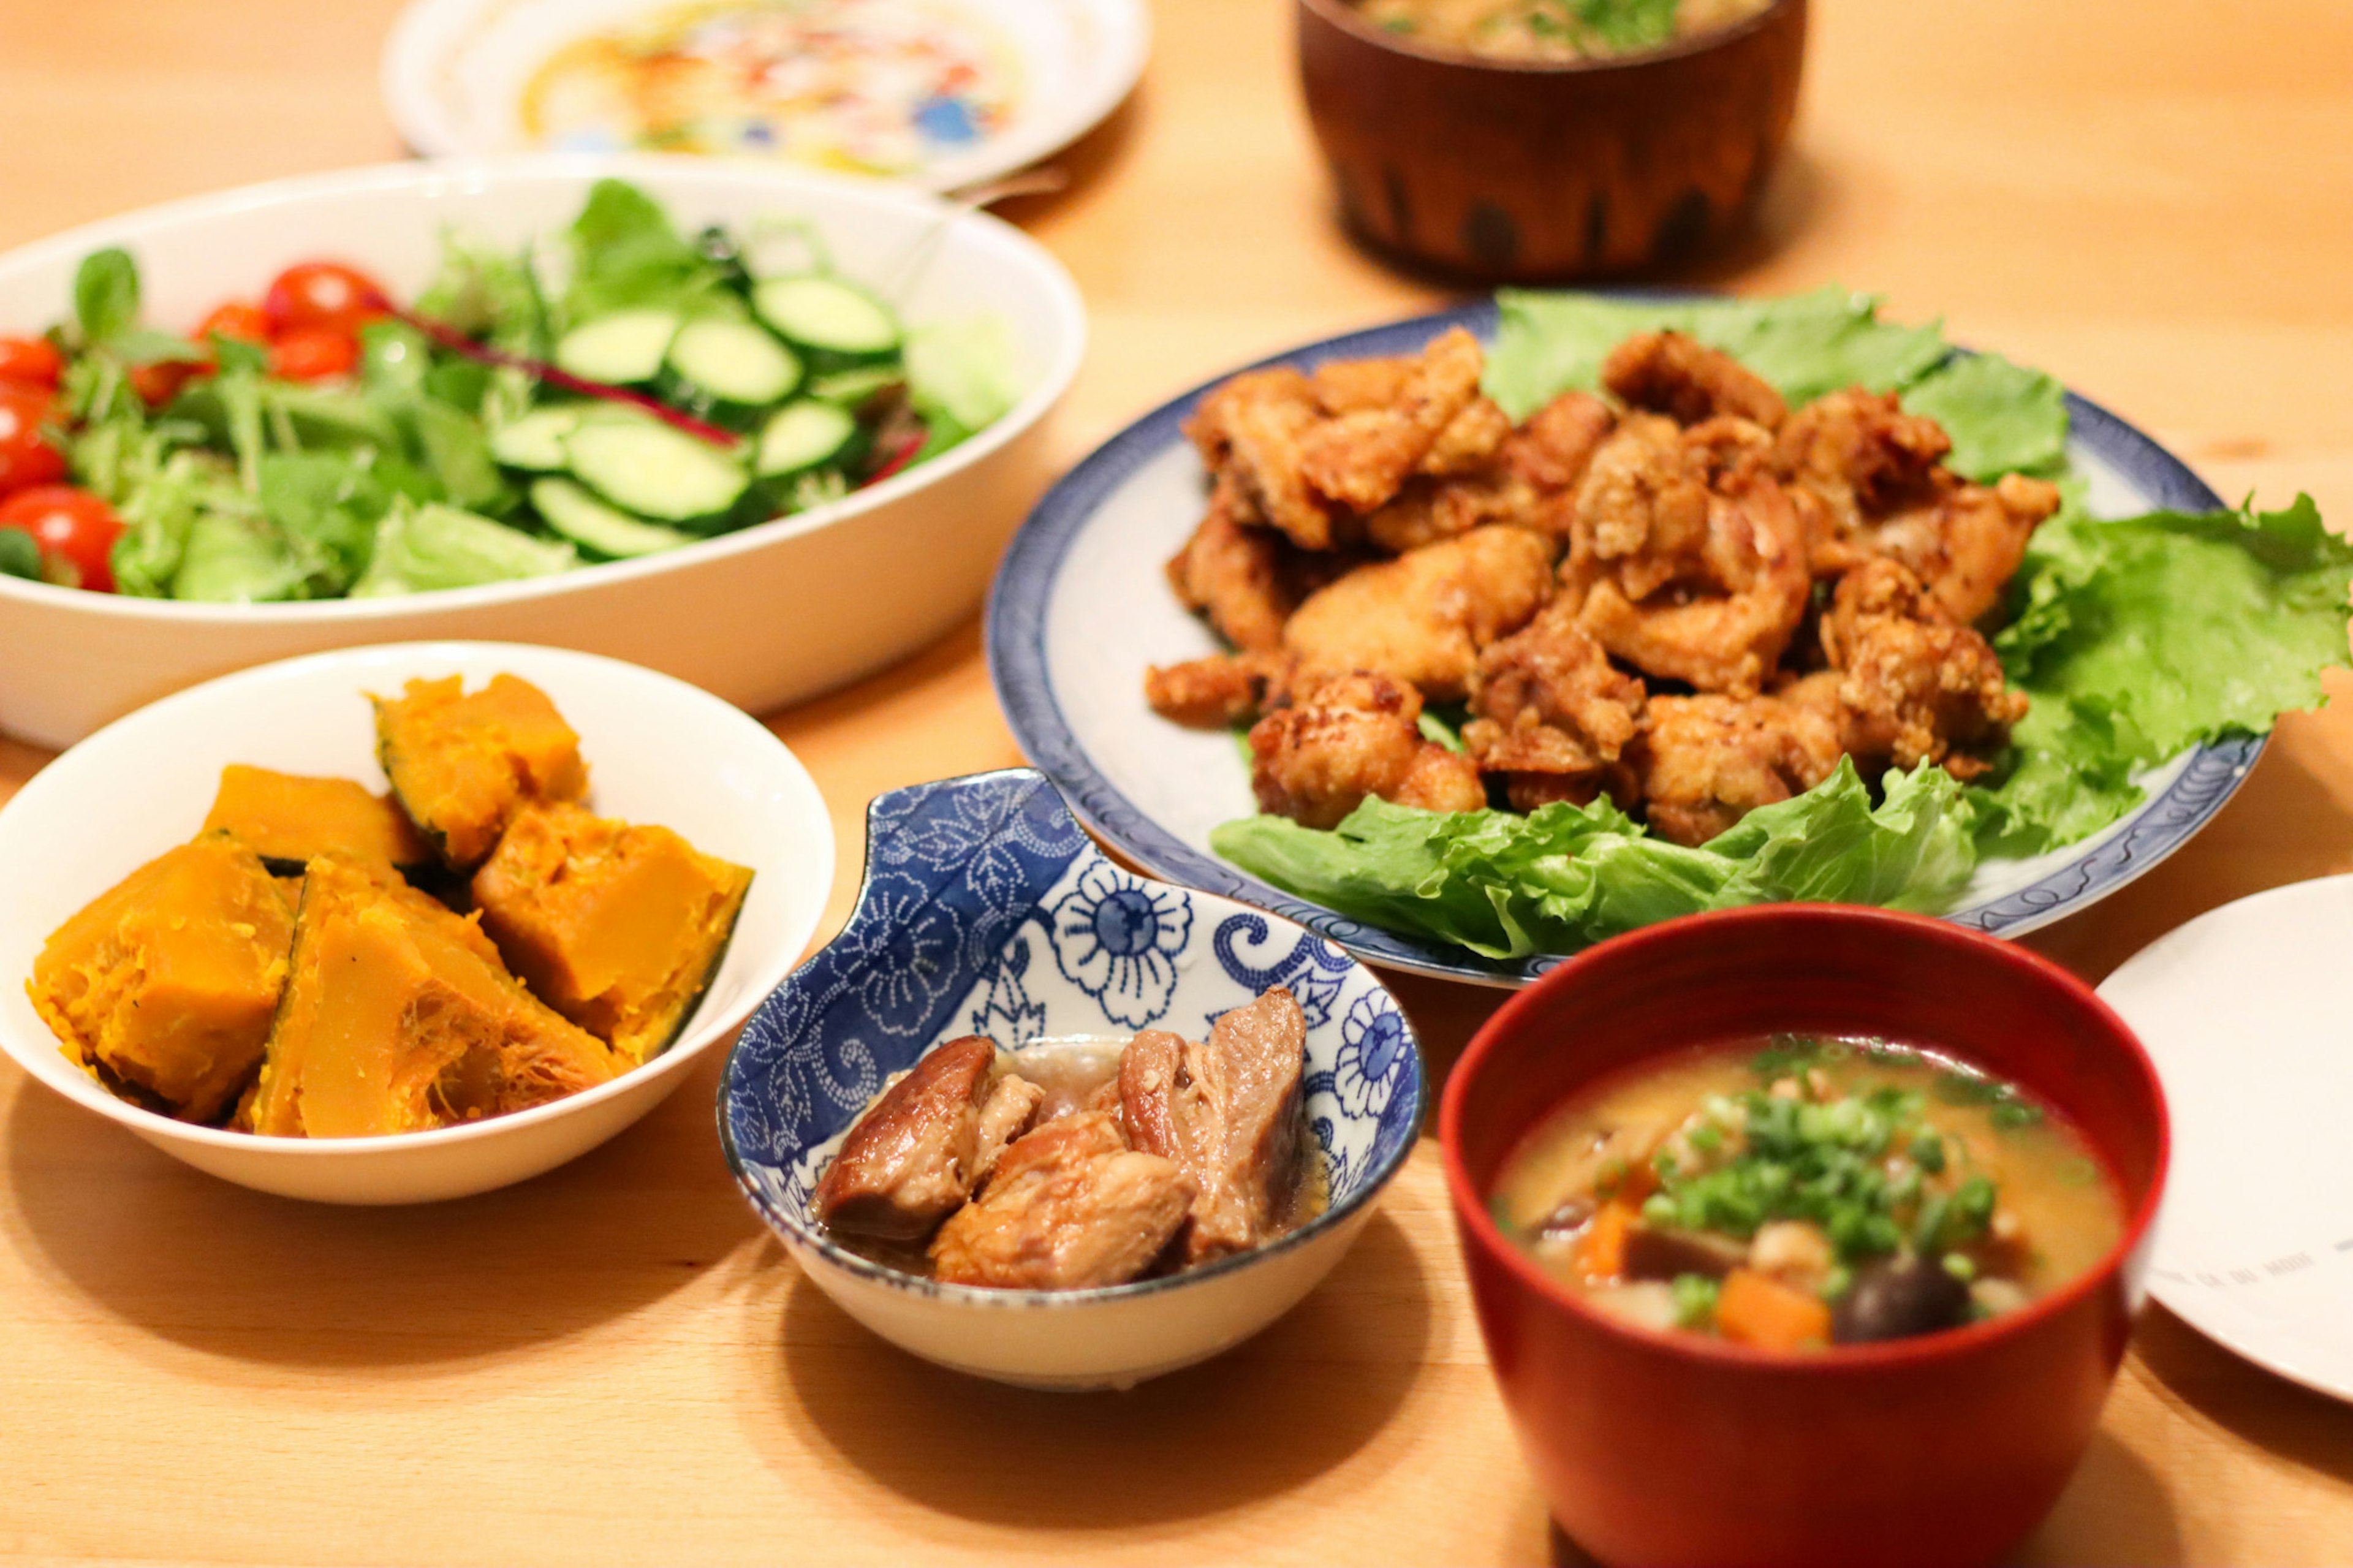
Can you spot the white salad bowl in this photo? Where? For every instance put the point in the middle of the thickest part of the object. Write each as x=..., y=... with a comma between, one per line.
x=659, y=752
x=765, y=616
x=986, y=911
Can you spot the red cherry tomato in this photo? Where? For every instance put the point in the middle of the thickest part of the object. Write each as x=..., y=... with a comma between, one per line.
x=34, y=360
x=322, y=294
x=313, y=354
x=75, y=530
x=158, y=384
x=27, y=458
x=245, y=324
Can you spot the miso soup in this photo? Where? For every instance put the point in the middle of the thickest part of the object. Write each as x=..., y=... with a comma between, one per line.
x=1798, y=1192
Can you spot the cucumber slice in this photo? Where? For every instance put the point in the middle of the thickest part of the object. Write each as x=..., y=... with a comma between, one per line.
x=803, y=435
x=734, y=362
x=643, y=466
x=625, y=347
x=828, y=315
x=853, y=386
x=588, y=522
x=535, y=441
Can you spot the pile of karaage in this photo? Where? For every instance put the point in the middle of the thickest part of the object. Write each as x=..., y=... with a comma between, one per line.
x=1686, y=595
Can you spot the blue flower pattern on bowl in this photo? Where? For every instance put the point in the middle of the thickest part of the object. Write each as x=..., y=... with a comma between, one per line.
x=1118, y=941
x=986, y=911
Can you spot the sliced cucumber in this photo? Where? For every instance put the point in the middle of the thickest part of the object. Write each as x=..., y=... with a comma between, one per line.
x=828, y=315
x=588, y=522
x=734, y=362
x=535, y=441
x=801, y=435
x=644, y=466
x=625, y=347
x=853, y=386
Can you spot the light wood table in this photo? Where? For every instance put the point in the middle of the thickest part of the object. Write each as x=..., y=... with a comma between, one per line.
x=618, y=1363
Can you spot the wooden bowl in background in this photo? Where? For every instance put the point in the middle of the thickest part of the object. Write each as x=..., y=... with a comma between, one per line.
x=1510, y=170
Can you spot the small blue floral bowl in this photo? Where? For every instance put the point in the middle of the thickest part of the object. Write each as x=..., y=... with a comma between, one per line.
x=986, y=911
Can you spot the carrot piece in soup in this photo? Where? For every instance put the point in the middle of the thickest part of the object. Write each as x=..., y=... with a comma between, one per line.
x=1753, y=1309
x=1601, y=1253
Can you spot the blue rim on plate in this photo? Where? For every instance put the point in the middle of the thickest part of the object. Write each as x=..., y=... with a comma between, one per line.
x=1015, y=635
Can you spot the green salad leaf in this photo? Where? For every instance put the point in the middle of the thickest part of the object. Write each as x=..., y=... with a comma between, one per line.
x=20, y=554
x=2003, y=418
x=2145, y=636
x=421, y=547
x=106, y=294
x=1507, y=886
x=625, y=252
x=1806, y=345
x=960, y=375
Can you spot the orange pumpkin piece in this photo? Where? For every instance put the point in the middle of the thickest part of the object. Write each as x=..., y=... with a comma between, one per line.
x=461, y=764
x=398, y=1018
x=163, y=988
x=289, y=820
x=619, y=927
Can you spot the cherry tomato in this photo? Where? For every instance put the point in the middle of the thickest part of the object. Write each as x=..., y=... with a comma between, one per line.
x=27, y=458
x=34, y=360
x=75, y=530
x=321, y=294
x=244, y=322
x=158, y=384
x=313, y=354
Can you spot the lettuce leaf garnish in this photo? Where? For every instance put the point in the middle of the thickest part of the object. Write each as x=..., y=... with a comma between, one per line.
x=2135, y=638
x=1506, y=886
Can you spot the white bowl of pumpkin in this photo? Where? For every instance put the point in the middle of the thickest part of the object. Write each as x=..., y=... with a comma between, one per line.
x=402, y=923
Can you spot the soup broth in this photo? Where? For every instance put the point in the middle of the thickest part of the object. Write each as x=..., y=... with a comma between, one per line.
x=1797, y=1191
x=1554, y=30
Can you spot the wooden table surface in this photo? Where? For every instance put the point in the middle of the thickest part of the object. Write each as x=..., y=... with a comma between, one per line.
x=616, y=1362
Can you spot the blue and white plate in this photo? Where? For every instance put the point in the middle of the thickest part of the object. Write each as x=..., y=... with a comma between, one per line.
x=1082, y=606
x=986, y=912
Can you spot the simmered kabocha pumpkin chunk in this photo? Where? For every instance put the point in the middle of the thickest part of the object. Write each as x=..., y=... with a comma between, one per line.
x=398, y=1018
x=164, y=986
x=289, y=820
x=619, y=927
x=460, y=762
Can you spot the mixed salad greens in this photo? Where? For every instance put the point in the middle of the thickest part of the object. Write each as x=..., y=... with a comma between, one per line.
x=2135, y=638
x=620, y=390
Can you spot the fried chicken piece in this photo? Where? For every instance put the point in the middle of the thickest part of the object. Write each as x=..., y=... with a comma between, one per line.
x=1341, y=738
x=1233, y=573
x=1220, y=691
x=1970, y=541
x=1249, y=429
x=1424, y=616
x=1877, y=485
x=1360, y=457
x=1683, y=379
x=1354, y=386
x=1640, y=511
x=1550, y=451
x=1553, y=715
x=1723, y=638
x=1706, y=762
x=1911, y=684
x=1862, y=457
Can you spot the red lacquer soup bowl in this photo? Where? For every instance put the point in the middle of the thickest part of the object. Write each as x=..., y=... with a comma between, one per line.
x=1659, y=1448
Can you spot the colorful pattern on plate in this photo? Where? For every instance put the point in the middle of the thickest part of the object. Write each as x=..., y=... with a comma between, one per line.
x=871, y=87
x=986, y=911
